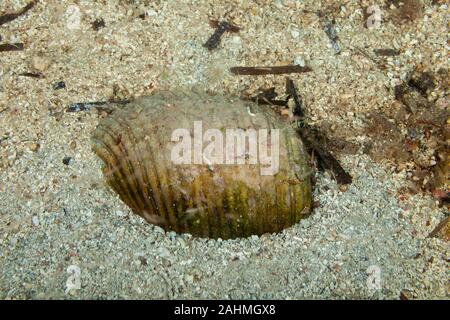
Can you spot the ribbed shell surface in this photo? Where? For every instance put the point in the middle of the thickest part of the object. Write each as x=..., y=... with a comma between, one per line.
x=218, y=200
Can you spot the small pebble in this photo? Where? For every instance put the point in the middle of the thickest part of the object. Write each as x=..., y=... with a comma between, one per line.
x=35, y=220
x=300, y=61
x=66, y=160
x=163, y=252
x=35, y=146
x=181, y=242
x=41, y=63
x=59, y=85
x=295, y=34
x=98, y=24
x=142, y=260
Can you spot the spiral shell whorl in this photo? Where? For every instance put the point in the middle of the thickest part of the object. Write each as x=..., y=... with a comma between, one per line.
x=226, y=201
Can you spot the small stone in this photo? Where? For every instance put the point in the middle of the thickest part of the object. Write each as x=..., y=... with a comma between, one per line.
x=13, y=241
x=151, y=13
x=189, y=278
x=142, y=260
x=59, y=85
x=35, y=146
x=159, y=230
x=66, y=160
x=343, y=187
x=41, y=63
x=35, y=220
x=181, y=242
x=236, y=40
x=300, y=61
x=166, y=262
x=286, y=113
x=404, y=295
x=121, y=214
x=73, y=282
x=98, y=24
x=163, y=252
x=171, y=235
x=295, y=34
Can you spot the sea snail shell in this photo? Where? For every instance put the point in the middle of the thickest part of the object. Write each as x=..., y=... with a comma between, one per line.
x=204, y=197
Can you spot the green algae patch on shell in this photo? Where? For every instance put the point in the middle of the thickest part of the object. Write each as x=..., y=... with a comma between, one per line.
x=203, y=197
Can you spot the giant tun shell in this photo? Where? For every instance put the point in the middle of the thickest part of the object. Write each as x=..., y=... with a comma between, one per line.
x=220, y=200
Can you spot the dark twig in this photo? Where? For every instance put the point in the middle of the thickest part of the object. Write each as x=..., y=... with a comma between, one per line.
x=11, y=47
x=12, y=16
x=59, y=85
x=292, y=91
x=439, y=227
x=221, y=28
x=269, y=70
x=325, y=158
x=386, y=52
x=32, y=75
x=4, y=109
x=230, y=27
x=422, y=82
x=330, y=30
x=268, y=97
x=380, y=65
x=84, y=106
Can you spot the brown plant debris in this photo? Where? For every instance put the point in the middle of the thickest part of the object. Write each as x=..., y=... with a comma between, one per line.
x=410, y=10
x=387, y=141
x=403, y=295
x=221, y=28
x=441, y=171
x=411, y=98
x=98, y=24
x=422, y=82
x=256, y=71
x=387, y=52
x=406, y=10
x=32, y=75
x=269, y=97
x=101, y=105
x=292, y=92
x=442, y=230
x=3, y=110
x=12, y=16
x=379, y=64
x=415, y=133
x=314, y=142
x=11, y=47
